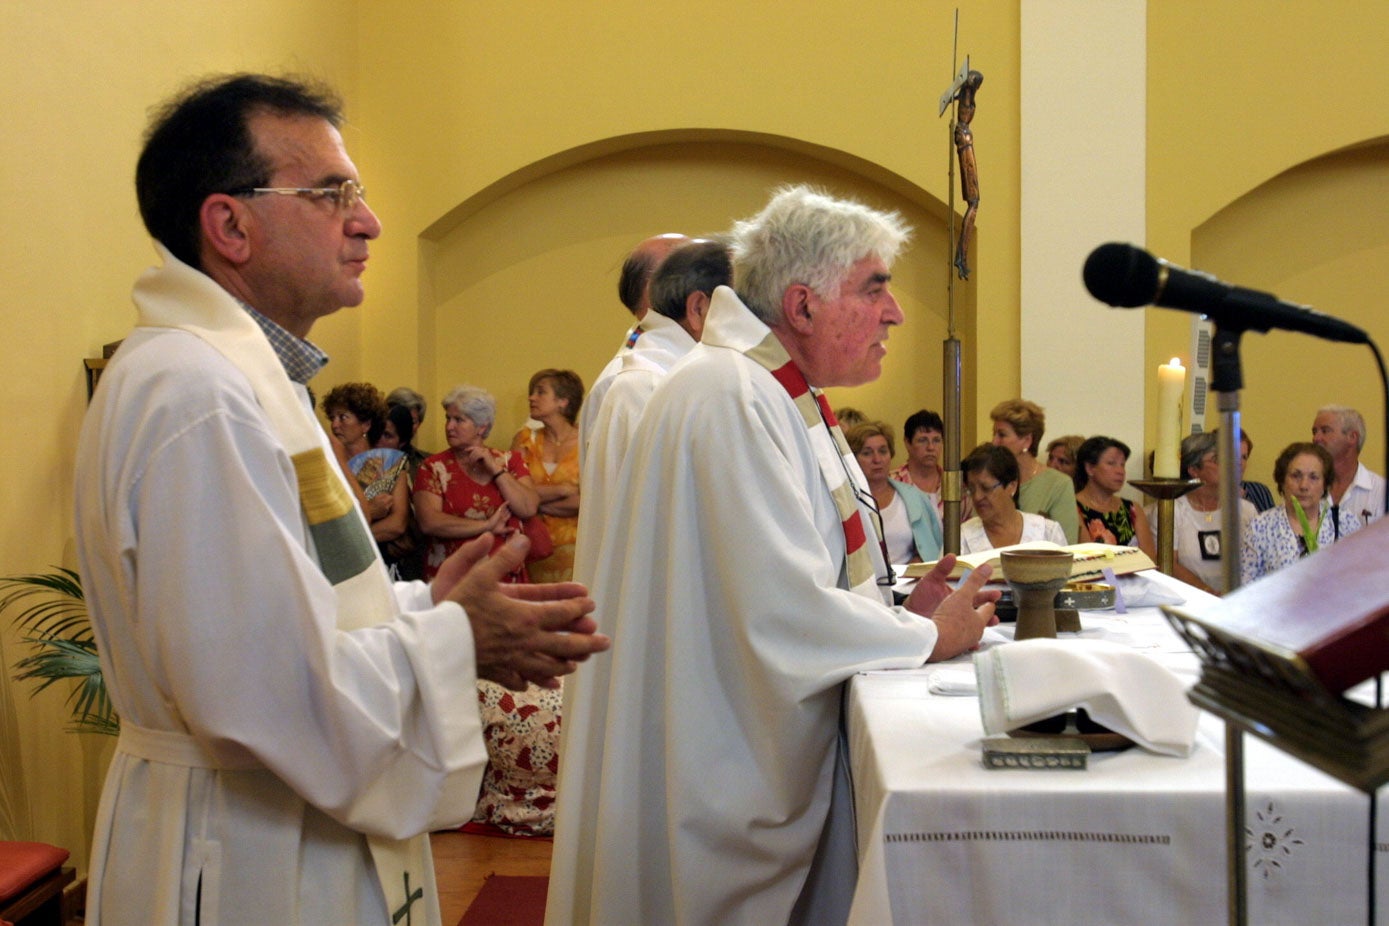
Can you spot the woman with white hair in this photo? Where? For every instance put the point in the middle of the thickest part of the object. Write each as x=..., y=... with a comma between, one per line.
x=471, y=489
x=464, y=491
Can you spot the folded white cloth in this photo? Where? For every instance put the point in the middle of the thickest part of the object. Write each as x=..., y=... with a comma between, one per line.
x=953, y=681
x=1125, y=690
x=1141, y=592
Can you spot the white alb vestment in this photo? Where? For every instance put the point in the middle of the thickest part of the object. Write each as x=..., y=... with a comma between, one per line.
x=598, y=389
x=721, y=580
x=263, y=745
x=661, y=344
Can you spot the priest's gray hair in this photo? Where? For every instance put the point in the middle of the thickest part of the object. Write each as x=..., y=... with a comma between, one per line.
x=474, y=403
x=803, y=235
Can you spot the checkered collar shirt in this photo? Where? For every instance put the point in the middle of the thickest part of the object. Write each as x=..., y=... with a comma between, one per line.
x=301, y=359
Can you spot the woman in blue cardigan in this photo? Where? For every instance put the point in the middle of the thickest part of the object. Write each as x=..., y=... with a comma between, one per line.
x=911, y=528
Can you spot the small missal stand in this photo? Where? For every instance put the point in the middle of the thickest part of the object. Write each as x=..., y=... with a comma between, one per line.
x=1278, y=655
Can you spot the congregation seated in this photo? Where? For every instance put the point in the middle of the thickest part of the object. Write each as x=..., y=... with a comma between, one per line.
x=1061, y=453
x=849, y=417
x=991, y=483
x=1301, y=525
x=911, y=528
x=924, y=433
x=1197, y=547
x=1255, y=492
x=1018, y=426
x=1106, y=516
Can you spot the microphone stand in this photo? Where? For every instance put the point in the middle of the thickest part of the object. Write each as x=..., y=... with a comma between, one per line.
x=1227, y=379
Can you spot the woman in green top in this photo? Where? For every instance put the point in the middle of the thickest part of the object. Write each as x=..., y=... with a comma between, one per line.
x=1018, y=426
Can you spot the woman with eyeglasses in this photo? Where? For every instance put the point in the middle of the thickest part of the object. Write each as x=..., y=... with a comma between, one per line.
x=991, y=483
x=911, y=528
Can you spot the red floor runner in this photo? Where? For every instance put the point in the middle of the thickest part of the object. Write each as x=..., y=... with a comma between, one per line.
x=507, y=900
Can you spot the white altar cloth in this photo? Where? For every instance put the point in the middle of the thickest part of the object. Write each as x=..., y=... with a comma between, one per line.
x=1136, y=838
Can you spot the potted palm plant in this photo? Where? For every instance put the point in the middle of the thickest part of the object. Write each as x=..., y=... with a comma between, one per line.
x=50, y=612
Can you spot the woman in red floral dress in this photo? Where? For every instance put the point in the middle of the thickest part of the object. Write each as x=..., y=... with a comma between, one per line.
x=471, y=489
x=462, y=492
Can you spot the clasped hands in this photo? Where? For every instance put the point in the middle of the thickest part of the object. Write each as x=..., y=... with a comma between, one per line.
x=521, y=633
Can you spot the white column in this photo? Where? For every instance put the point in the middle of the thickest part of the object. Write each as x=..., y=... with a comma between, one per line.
x=1083, y=128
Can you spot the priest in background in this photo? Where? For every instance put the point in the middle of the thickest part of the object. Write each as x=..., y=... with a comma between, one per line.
x=742, y=578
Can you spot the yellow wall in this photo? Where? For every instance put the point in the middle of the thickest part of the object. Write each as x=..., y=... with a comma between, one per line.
x=467, y=103
x=1244, y=100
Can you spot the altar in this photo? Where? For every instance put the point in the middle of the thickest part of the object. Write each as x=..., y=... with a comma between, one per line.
x=1134, y=838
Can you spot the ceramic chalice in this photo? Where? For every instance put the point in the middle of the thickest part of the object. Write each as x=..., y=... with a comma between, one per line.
x=1035, y=577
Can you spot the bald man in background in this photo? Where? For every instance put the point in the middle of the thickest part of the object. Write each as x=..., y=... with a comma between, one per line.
x=634, y=289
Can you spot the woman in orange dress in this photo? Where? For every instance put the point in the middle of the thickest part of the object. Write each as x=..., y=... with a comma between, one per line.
x=551, y=453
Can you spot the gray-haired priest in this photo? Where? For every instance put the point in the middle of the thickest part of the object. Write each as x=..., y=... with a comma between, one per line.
x=742, y=578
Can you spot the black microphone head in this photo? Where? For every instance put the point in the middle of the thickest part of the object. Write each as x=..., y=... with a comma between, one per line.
x=1122, y=275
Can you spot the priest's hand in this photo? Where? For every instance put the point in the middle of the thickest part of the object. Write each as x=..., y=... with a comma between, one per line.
x=521, y=633
x=934, y=587
x=961, y=618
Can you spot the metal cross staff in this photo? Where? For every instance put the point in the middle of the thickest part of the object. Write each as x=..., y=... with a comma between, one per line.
x=966, y=82
x=962, y=91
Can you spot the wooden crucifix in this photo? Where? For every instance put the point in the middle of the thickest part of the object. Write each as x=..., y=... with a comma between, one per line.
x=962, y=92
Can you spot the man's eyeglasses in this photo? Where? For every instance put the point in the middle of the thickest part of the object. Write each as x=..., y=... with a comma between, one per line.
x=344, y=196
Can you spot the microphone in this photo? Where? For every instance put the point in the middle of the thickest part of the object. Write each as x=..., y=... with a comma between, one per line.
x=1124, y=276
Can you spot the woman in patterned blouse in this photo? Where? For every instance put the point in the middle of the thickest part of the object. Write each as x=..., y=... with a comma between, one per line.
x=1301, y=525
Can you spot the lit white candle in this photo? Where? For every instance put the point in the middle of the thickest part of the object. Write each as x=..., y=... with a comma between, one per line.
x=1171, y=386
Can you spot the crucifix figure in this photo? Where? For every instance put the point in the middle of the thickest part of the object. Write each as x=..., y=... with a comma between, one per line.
x=969, y=171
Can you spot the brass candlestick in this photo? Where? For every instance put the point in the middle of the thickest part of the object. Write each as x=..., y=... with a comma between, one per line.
x=1166, y=491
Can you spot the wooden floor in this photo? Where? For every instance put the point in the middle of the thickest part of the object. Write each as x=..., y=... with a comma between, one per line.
x=462, y=861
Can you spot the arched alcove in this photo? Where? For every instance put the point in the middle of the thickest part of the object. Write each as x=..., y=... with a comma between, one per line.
x=1315, y=234
x=523, y=274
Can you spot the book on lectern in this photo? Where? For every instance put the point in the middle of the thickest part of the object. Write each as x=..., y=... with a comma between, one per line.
x=1325, y=618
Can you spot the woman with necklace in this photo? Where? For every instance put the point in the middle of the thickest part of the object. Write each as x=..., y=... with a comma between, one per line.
x=991, y=483
x=1105, y=517
x=1196, y=539
x=551, y=453
x=1018, y=427
x=1301, y=525
x=471, y=489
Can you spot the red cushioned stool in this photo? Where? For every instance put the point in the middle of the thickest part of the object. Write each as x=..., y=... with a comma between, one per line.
x=32, y=878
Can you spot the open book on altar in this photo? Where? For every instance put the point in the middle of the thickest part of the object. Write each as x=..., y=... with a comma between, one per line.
x=1091, y=559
